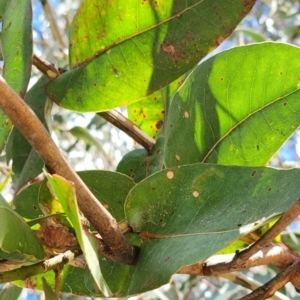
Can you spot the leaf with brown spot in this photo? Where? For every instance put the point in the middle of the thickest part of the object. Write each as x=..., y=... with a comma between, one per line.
x=134, y=48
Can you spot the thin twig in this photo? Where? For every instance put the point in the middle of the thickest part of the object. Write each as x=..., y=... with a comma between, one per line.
x=45, y=67
x=37, y=135
x=222, y=264
x=287, y=218
x=38, y=268
x=53, y=23
x=250, y=283
x=269, y=289
x=130, y=128
x=112, y=116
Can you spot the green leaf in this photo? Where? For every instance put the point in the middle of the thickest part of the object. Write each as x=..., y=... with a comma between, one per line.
x=11, y=292
x=138, y=165
x=26, y=202
x=157, y=43
x=149, y=113
x=188, y=213
x=24, y=241
x=110, y=188
x=84, y=135
x=49, y=293
x=17, y=44
x=236, y=108
x=255, y=35
x=26, y=162
x=2, y=8
x=65, y=192
x=133, y=164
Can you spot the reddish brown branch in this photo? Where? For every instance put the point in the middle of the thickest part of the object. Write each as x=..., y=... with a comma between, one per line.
x=287, y=218
x=129, y=128
x=222, y=264
x=36, y=134
x=268, y=290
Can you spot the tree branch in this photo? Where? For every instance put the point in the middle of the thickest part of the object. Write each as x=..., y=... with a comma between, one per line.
x=287, y=218
x=36, y=134
x=130, y=128
x=222, y=264
x=268, y=290
x=250, y=283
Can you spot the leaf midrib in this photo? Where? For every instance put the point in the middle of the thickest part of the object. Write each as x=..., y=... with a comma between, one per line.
x=244, y=120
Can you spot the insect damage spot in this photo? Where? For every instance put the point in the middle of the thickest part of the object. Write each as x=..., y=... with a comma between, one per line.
x=195, y=194
x=170, y=175
x=171, y=51
x=219, y=40
x=186, y=115
x=177, y=157
x=253, y=173
x=159, y=124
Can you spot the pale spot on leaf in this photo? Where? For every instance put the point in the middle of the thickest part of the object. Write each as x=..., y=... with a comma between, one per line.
x=170, y=175
x=177, y=157
x=195, y=194
x=186, y=114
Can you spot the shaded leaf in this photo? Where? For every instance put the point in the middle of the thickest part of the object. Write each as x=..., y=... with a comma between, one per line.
x=17, y=44
x=84, y=135
x=26, y=202
x=133, y=164
x=236, y=108
x=255, y=35
x=11, y=292
x=26, y=162
x=159, y=42
x=49, y=293
x=138, y=165
x=24, y=242
x=2, y=8
x=188, y=213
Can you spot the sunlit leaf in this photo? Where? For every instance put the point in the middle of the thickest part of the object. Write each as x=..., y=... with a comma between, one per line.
x=129, y=50
x=236, y=108
x=149, y=113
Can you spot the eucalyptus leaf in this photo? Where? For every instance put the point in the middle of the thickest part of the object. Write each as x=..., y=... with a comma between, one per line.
x=238, y=107
x=129, y=50
x=186, y=214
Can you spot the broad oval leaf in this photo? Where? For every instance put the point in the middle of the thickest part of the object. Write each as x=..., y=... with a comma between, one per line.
x=129, y=50
x=188, y=213
x=236, y=108
x=24, y=241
